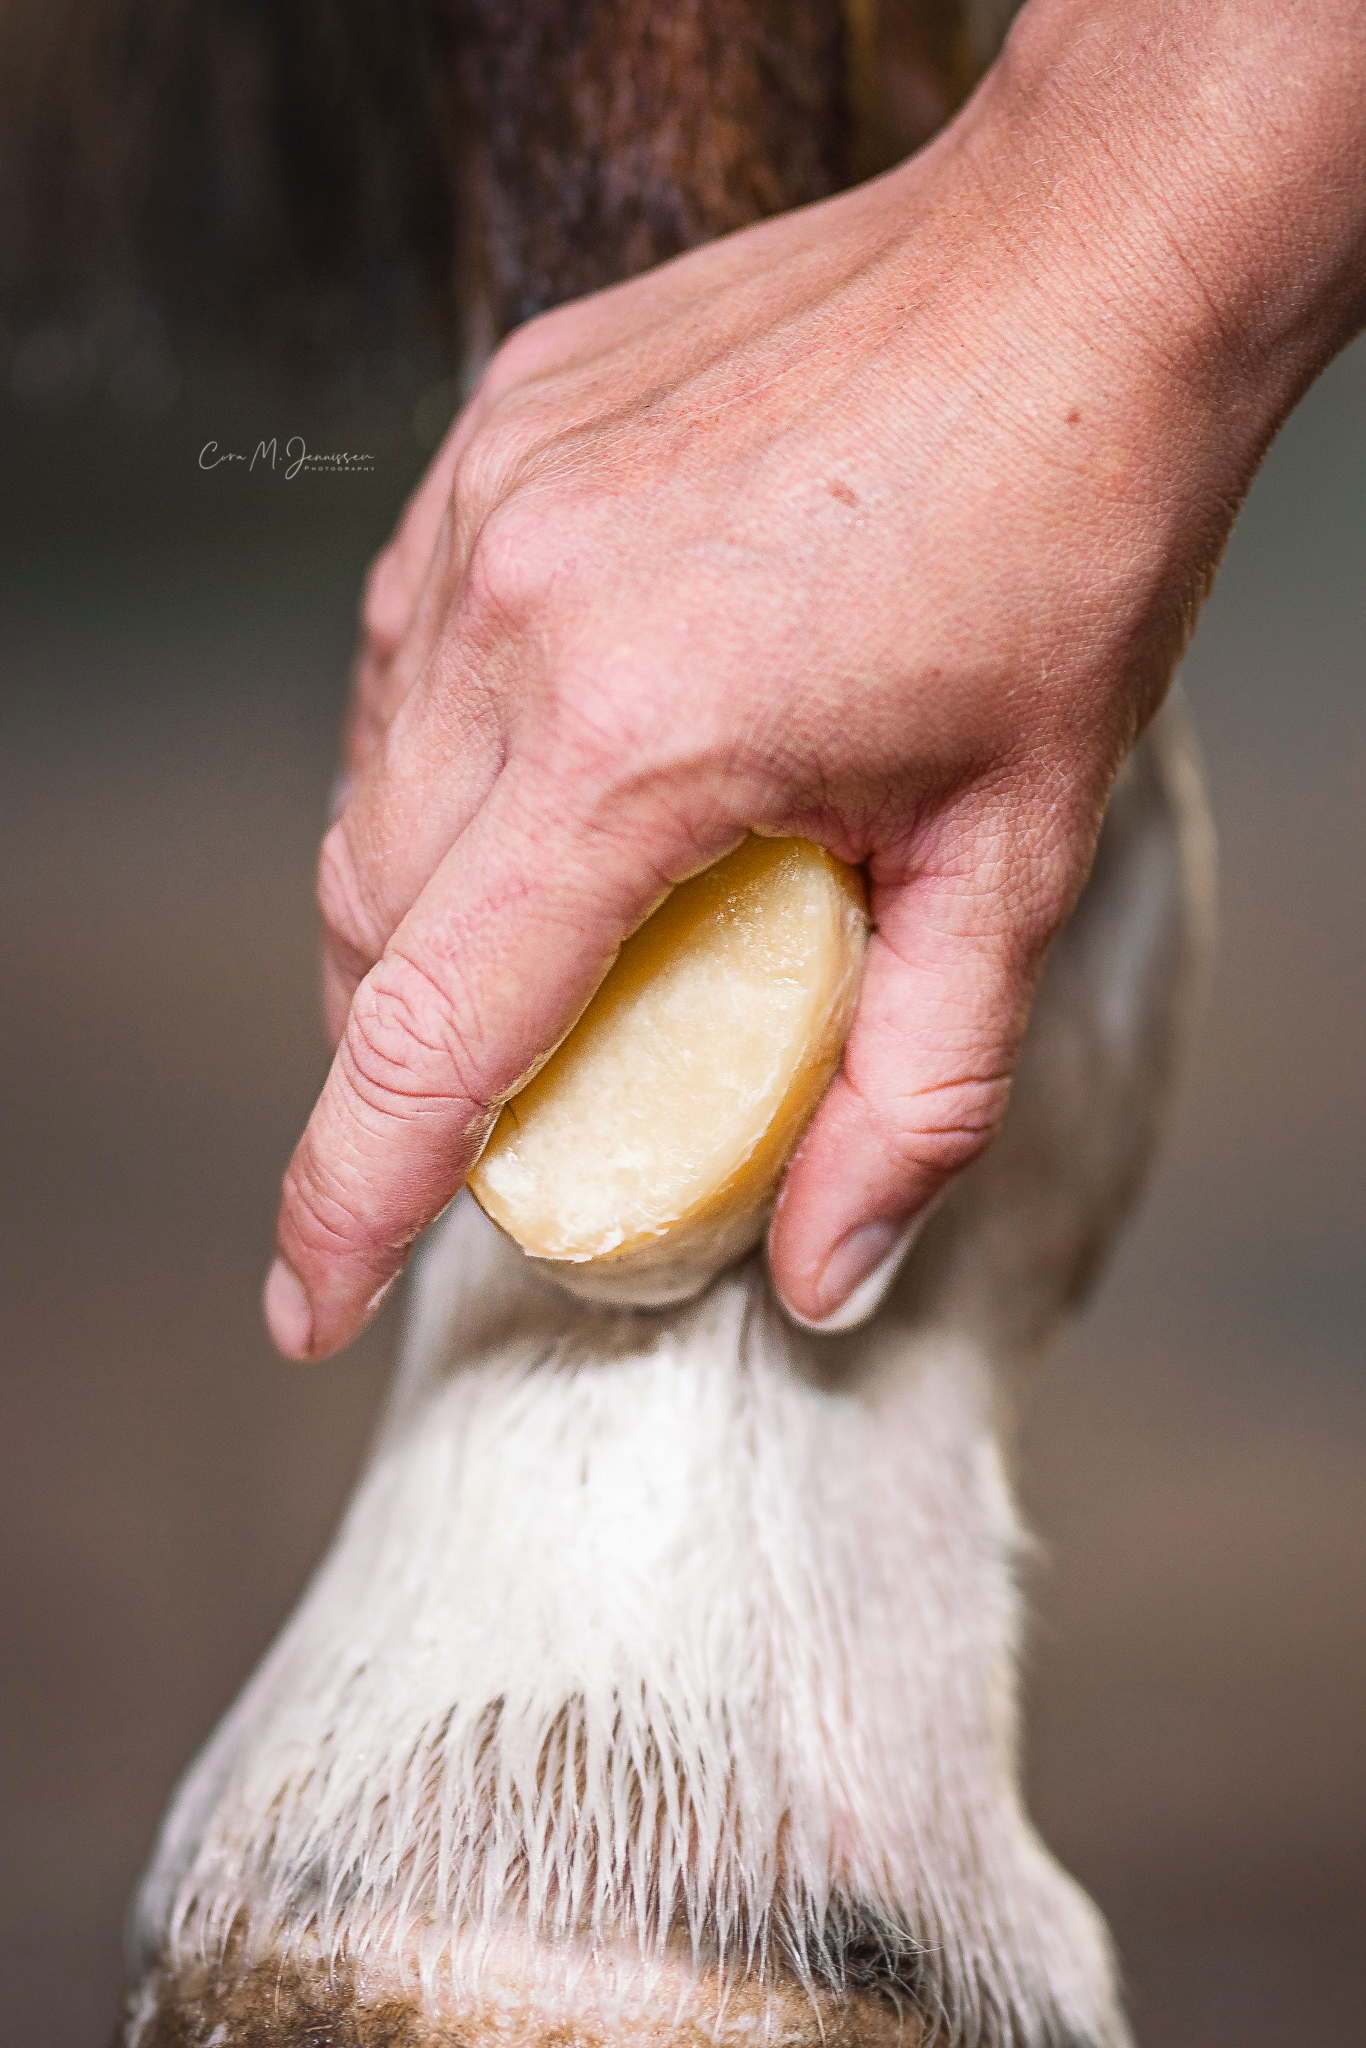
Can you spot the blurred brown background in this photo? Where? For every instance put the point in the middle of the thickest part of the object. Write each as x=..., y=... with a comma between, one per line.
x=173, y=645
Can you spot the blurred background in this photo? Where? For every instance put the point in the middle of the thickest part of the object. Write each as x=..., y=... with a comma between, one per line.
x=174, y=643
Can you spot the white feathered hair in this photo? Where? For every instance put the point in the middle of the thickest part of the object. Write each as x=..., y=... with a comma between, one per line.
x=678, y=1648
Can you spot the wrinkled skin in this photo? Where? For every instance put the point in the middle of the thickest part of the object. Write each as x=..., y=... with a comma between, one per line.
x=884, y=523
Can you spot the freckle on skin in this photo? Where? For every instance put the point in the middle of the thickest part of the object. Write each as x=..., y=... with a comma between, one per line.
x=842, y=492
x=1073, y=417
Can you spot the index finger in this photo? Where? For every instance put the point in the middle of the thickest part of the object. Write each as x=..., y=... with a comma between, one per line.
x=479, y=982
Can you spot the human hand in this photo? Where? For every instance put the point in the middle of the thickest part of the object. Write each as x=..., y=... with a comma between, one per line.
x=882, y=524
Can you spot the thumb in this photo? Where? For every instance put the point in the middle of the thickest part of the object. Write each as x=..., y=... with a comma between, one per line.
x=947, y=987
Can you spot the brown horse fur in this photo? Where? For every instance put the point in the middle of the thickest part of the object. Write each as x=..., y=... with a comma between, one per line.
x=281, y=177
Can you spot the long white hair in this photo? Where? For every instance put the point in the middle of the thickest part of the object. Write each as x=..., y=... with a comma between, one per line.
x=663, y=1656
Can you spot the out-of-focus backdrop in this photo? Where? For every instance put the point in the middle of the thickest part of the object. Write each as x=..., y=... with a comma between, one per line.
x=174, y=643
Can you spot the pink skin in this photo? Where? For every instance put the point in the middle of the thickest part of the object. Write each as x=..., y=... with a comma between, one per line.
x=883, y=523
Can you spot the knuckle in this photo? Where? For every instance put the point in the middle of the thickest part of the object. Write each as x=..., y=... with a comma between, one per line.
x=1055, y=857
x=321, y=1217
x=403, y=1047
x=941, y=1129
x=1064, y=867
x=1046, y=853
x=340, y=899
x=382, y=610
x=515, y=559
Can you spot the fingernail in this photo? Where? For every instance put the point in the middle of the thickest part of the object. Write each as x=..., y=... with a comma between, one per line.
x=860, y=1271
x=288, y=1315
